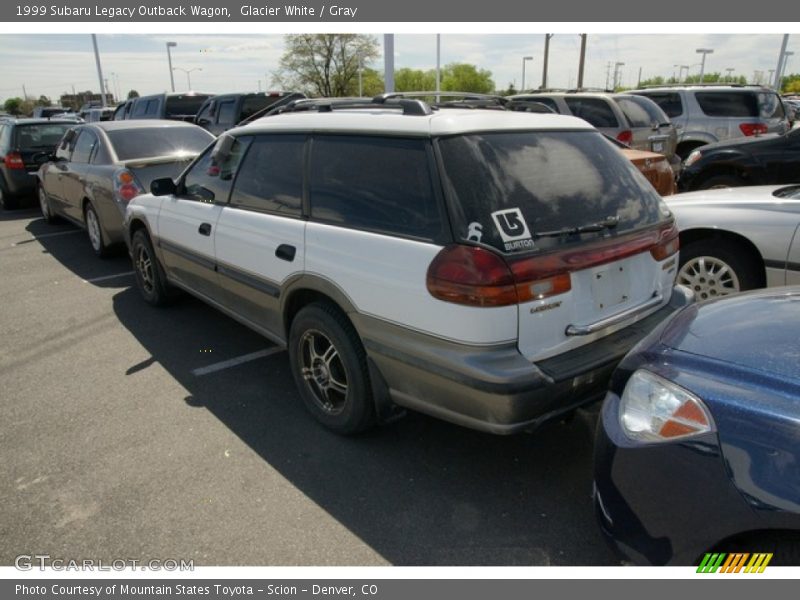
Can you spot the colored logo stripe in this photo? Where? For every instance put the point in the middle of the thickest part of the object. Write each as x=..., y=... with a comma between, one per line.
x=734, y=563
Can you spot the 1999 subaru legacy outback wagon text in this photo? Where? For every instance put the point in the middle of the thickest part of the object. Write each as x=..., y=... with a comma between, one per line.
x=489, y=268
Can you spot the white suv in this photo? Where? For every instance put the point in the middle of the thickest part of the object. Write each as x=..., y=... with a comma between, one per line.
x=489, y=268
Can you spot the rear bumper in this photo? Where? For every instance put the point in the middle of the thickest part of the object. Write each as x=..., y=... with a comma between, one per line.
x=495, y=389
x=19, y=182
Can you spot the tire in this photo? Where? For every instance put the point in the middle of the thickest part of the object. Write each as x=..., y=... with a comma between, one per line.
x=713, y=268
x=6, y=201
x=329, y=366
x=150, y=277
x=44, y=205
x=724, y=180
x=95, y=231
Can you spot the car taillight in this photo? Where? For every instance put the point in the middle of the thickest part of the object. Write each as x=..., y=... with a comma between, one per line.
x=626, y=137
x=126, y=188
x=668, y=245
x=753, y=128
x=13, y=160
x=476, y=276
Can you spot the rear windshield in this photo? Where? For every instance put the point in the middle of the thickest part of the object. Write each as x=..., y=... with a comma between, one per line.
x=40, y=136
x=184, y=106
x=641, y=112
x=515, y=190
x=158, y=141
x=740, y=104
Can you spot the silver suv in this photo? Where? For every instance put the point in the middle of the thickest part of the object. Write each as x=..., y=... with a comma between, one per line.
x=632, y=120
x=704, y=114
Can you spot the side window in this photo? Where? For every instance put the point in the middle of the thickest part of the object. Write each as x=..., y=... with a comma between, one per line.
x=65, y=147
x=5, y=137
x=210, y=178
x=205, y=112
x=380, y=184
x=84, y=146
x=152, y=107
x=226, y=112
x=594, y=110
x=139, y=107
x=770, y=106
x=728, y=104
x=549, y=102
x=252, y=104
x=670, y=103
x=271, y=176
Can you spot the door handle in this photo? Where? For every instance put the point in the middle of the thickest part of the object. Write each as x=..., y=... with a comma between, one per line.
x=286, y=252
x=204, y=229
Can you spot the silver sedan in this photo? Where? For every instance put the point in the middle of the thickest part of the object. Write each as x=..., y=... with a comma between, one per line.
x=737, y=239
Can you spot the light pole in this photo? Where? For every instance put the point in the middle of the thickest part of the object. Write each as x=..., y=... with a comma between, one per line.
x=525, y=59
x=680, y=71
x=99, y=72
x=705, y=52
x=729, y=70
x=360, y=80
x=779, y=80
x=169, y=61
x=617, y=65
x=546, y=58
x=188, y=72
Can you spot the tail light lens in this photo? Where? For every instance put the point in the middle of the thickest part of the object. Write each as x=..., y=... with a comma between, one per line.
x=13, y=160
x=753, y=128
x=626, y=137
x=653, y=409
x=126, y=188
x=475, y=276
x=668, y=245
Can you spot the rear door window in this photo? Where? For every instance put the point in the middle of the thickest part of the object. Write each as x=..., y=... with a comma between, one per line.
x=253, y=104
x=271, y=176
x=637, y=116
x=374, y=183
x=84, y=147
x=728, y=104
x=523, y=191
x=594, y=110
x=179, y=107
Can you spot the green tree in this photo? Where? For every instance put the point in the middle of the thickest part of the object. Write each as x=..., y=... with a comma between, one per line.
x=371, y=83
x=324, y=64
x=133, y=94
x=462, y=77
x=43, y=101
x=13, y=106
x=509, y=91
x=410, y=80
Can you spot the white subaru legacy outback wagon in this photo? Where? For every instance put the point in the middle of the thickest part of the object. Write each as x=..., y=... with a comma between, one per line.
x=485, y=267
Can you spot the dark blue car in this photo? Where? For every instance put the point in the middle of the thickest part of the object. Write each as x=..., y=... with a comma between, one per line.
x=698, y=443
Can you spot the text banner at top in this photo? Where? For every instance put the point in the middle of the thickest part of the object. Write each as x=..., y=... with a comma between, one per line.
x=447, y=11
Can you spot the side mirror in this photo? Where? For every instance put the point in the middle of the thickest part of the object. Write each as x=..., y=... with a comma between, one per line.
x=163, y=186
x=222, y=150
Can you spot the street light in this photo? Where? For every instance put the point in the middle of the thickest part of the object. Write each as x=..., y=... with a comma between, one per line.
x=729, y=71
x=786, y=56
x=169, y=60
x=524, y=60
x=187, y=71
x=680, y=71
x=704, y=52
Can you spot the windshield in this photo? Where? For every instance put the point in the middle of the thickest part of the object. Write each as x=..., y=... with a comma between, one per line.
x=513, y=190
x=158, y=141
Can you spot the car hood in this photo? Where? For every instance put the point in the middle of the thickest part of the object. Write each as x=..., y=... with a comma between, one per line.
x=752, y=194
x=757, y=330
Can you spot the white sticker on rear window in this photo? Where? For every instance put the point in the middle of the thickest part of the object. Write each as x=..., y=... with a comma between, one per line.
x=513, y=229
x=475, y=232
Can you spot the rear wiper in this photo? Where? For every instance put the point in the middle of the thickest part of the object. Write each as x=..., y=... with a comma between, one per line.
x=607, y=223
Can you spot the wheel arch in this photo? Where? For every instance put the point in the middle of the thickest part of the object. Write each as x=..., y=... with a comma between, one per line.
x=689, y=236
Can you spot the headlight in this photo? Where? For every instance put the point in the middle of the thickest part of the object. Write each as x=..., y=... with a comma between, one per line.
x=692, y=158
x=653, y=409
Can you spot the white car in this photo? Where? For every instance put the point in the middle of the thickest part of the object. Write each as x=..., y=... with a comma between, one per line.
x=736, y=239
x=486, y=267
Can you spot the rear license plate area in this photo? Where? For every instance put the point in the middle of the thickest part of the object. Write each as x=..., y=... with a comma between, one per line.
x=610, y=287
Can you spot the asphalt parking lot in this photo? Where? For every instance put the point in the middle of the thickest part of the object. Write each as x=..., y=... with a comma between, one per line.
x=123, y=436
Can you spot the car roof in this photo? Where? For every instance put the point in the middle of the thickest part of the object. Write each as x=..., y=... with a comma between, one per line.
x=442, y=122
x=140, y=124
x=42, y=120
x=704, y=88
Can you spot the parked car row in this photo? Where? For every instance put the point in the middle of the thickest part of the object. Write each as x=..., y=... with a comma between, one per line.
x=491, y=266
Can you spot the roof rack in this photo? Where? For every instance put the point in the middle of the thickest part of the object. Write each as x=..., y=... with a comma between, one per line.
x=576, y=90
x=408, y=106
x=716, y=84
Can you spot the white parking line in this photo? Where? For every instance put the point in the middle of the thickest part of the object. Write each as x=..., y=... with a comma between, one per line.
x=226, y=364
x=104, y=277
x=46, y=235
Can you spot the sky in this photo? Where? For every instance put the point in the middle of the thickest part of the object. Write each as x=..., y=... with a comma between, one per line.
x=51, y=64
